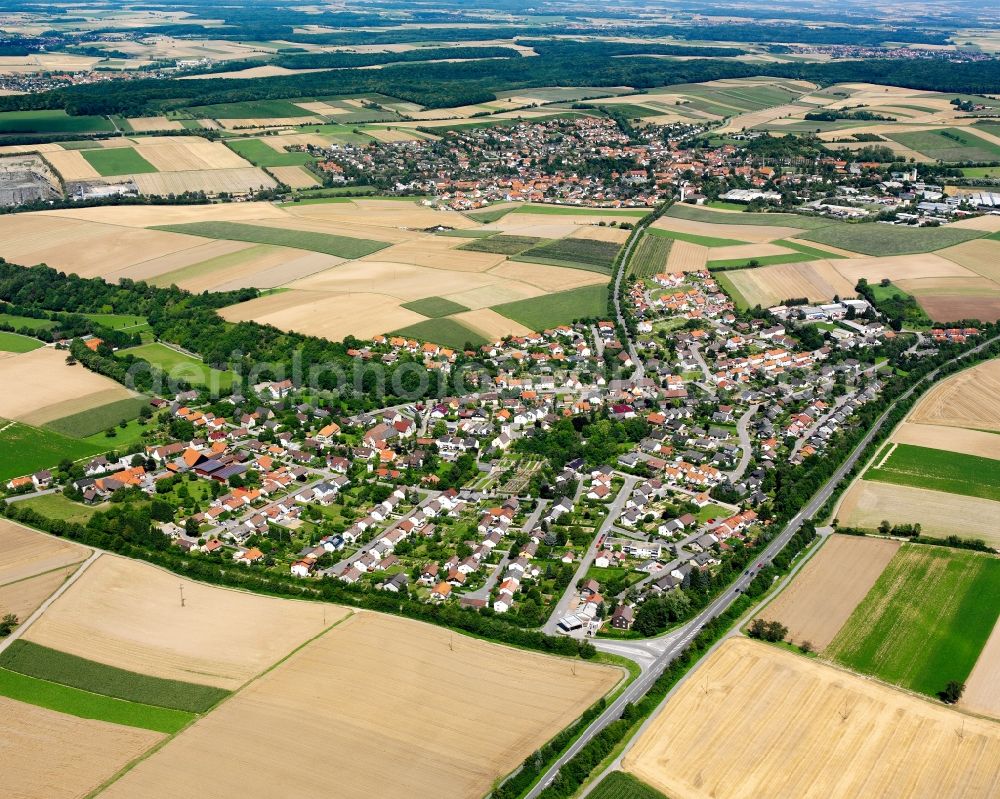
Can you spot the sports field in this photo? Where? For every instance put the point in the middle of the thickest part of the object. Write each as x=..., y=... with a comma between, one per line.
x=939, y=470
x=179, y=366
x=755, y=721
x=464, y=712
x=924, y=622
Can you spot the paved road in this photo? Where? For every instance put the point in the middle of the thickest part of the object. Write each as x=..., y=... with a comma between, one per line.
x=614, y=511
x=671, y=645
x=529, y=525
x=743, y=431
x=33, y=494
x=709, y=383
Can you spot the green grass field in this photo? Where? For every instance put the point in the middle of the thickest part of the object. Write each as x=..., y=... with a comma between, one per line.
x=575, y=253
x=561, y=308
x=981, y=171
x=117, y=321
x=15, y=342
x=259, y=153
x=876, y=239
x=97, y=420
x=25, y=449
x=34, y=660
x=949, y=145
x=434, y=307
x=117, y=161
x=650, y=256
x=699, y=214
x=693, y=238
x=619, y=785
x=925, y=620
x=502, y=244
x=339, y=246
x=26, y=322
x=56, y=506
x=444, y=332
x=179, y=366
x=51, y=122
x=85, y=705
x=939, y=470
x=250, y=109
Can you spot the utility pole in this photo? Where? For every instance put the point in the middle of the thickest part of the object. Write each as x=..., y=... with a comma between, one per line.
x=180, y=586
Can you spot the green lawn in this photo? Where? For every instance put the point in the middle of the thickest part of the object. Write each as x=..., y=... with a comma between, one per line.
x=117, y=321
x=619, y=785
x=561, y=308
x=51, y=122
x=14, y=342
x=872, y=238
x=25, y=449
x=26, y=322
x=85, y=705
x=97, y=420
x=444, y=332
x=939, y=470
x=434, y=307
x=502, y=244
x=56, y=506
x=704, y=241
x=650, y=256
x=117, y=161
x=949, y=145
x=34, y=660
x=339, y=246
x=179, y=366
x=259, y=153
x=925, y=620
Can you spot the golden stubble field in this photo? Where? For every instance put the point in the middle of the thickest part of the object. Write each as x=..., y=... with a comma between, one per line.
x=406, y=708
x=756, y=721
x=25, y=553
x=970, y=398
x=981, y=690
x=815, y=280
x=128, y=614
x=50, y=755
x=48, y=389
x=830, y=586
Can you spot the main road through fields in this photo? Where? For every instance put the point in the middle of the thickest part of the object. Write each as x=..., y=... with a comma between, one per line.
x=672, y=645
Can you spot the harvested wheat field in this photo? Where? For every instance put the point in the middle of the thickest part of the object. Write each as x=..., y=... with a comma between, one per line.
x=260, y=266
x=294, y=176
x=899, y=267
x=88, y=249
x=955, y=308
x=22, y=598
x=756, y=720
x=824, y=594
x=153, y=269
x=49, y=755
x=747, y=251
x=380, y=214
x=326, y=314
x=989, y=222
x=970, y=398
x=72, y=165
x=490, y=324
x=769, y=285
x=147, y=124
x=127, y=614
x=953, y=439
x=866, y=503
x=25, y=552
x=616, y=235
x=982, y=256
x=750, y=233
x=401, y=280
x=438, y=252
x=210, y=181
x=426, y=707
x=48, y=389
x=187, y=153
x=687, y=257
x=142, y=216
x=547, y=278
x=392, y=135
x=982, y=690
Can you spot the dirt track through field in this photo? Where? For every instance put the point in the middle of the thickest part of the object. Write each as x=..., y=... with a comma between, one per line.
x=756, y=721
x=402, y=705
x=128, y=614
x=828, y=589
